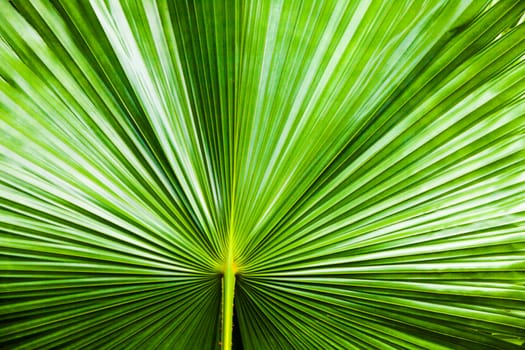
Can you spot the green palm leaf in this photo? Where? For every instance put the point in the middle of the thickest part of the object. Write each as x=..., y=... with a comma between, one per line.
x=349, y=174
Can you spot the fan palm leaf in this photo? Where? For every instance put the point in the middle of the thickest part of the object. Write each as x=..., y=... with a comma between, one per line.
x=348, y=174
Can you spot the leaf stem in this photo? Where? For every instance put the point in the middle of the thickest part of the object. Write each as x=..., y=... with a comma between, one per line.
x=228, y=291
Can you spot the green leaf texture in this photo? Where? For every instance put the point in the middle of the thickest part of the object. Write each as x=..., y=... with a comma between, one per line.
x=354, y=169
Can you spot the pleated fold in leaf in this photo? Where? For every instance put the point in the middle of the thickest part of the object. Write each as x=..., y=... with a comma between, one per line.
x=354, y=170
